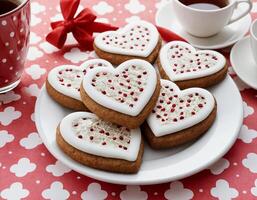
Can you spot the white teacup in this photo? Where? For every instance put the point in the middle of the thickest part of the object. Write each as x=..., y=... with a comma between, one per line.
x=253, y=36
x=205, y=23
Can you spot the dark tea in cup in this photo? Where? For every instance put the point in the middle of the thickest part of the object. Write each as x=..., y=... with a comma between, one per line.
x=205, y=18
x=14, y=37
x=7, y=6
x=205, y=4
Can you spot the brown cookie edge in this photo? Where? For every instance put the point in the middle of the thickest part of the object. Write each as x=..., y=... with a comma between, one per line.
x=180, y=137
x=64, y=100
x=98, y=162
x=117, y=59
x=202, y=82
x=117, y=117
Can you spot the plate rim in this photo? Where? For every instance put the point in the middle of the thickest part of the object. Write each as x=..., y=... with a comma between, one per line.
x=157, y=21
x=137, y=182
x=235, y=48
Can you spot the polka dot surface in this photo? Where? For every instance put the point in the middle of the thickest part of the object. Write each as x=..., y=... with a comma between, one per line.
x=30, y=163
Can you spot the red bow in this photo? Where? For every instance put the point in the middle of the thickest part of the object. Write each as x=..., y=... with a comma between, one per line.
x=83, y=26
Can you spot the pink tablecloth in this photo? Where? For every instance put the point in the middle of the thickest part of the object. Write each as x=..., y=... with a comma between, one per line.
x=29, y=171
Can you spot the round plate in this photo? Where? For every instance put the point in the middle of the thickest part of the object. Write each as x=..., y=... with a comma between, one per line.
x=157, y=166
x=166, y=18
x=243, y=62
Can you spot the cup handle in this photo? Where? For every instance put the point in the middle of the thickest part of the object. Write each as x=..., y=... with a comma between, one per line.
x=250, y=5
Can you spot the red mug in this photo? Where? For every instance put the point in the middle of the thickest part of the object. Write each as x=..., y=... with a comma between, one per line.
x=14, y=39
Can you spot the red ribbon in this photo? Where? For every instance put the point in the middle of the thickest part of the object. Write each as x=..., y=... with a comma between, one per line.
x=168, y=35
x=83, y=26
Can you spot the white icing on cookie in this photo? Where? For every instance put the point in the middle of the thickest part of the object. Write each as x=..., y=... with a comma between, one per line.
x=178, y=109
x=67, y=79
x=181, y=61
x=126, y=89
x=86, y=132
x=135, y=39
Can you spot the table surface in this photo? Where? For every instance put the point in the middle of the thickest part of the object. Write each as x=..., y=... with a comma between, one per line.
x=29, y=171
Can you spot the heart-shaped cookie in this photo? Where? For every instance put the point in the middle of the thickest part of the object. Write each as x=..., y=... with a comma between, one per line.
x=99, y=144
x=182, y=64
x=179, y=112
x=137, y=39
x=63, y=82
x=124, y=95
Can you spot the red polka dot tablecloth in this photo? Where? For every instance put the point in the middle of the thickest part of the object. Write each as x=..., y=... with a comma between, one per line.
x=29, y=171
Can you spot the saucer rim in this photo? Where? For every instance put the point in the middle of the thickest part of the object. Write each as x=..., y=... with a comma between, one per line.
x=232, y=60
x=220, y=46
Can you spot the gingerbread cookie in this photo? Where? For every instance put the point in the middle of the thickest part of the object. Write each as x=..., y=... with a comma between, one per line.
x=125, y=95
x=136, y=40
x=182, y=64
x=99, y=144
x=179, y=116
x=63, y=82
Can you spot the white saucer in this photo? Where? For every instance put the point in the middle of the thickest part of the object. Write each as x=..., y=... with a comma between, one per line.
x=166, y=18
x=157, y=166
x=243, y=62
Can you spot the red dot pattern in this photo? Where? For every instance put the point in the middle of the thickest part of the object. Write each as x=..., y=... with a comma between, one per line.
x=183, y=60
x=137, y=38
x=102, y=133
x=173, y=108
x=124, y=87
x=72, y=78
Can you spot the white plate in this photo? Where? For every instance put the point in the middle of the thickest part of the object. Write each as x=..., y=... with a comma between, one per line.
x=157, y=166
x=166, y=18
x=243, y=62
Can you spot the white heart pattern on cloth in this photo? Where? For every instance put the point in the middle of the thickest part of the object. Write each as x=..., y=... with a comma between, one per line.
x=181, y=61
x=135, y=39
x=67, y=79
x=86, y=132
x=179, y=109
x=126, y=89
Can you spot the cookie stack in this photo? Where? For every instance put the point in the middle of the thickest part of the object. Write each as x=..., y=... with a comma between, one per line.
x=122, y=95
